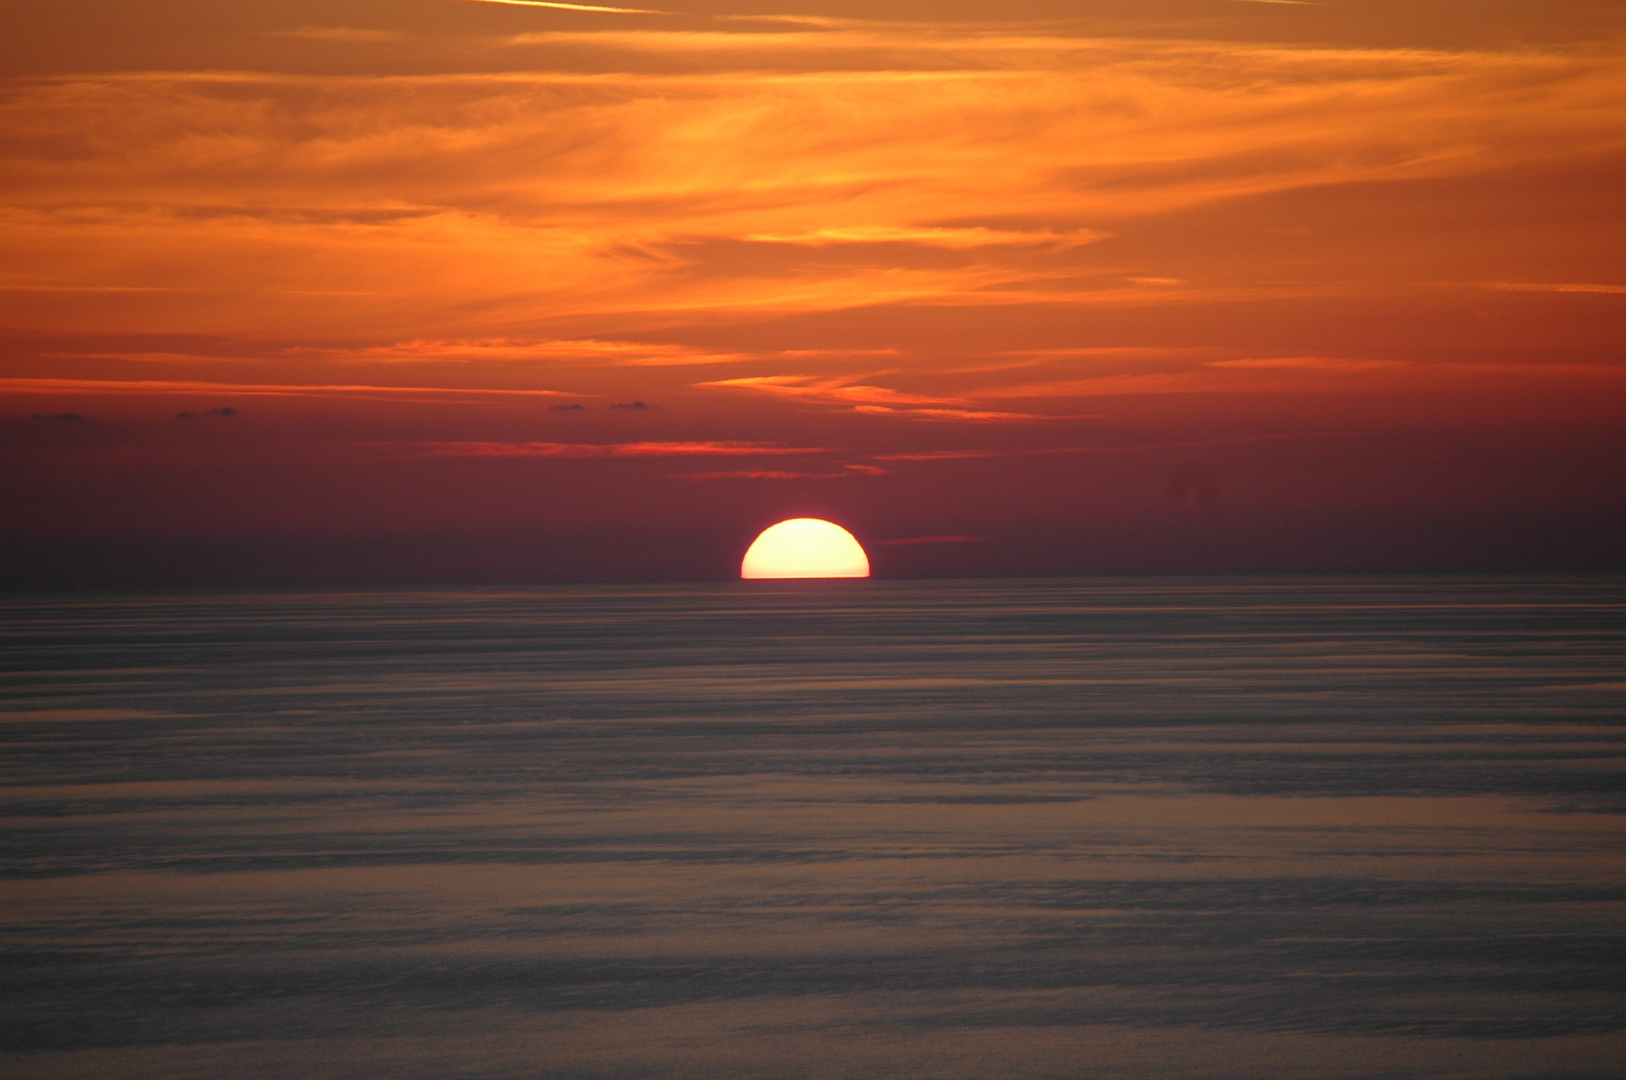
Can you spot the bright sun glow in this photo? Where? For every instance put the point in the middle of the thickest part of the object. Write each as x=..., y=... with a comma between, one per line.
x=805, y=548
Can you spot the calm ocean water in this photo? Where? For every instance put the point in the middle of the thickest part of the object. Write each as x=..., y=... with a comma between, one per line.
x=1315, y=827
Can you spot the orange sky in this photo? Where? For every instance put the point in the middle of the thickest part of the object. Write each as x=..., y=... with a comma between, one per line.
x=463, y=290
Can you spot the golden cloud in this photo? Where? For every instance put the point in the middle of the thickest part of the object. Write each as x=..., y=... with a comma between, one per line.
x=745, y=171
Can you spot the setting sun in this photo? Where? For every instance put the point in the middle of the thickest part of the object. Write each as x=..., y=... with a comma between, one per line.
x=805, y=548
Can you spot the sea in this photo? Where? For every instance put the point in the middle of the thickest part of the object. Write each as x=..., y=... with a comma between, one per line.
x=1245, y=827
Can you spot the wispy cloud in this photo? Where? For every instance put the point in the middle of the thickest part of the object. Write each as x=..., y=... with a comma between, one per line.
x=171, y=387
x=985, y=416
x=844, y=472
x=1341, y=365
x=589, y=351
x=1189, y=372
x=338, y=33
x=917, y=456
x=1149, y=372
x=570, y=7
x=1554, y=287
x=866, y=399
x=755, y=474
x=504, y=352
x=959, y=239
x=589, y=450
x=963, y=165
x=818, y=21
x=941, y=455
x=635, y=193
x=828, y=391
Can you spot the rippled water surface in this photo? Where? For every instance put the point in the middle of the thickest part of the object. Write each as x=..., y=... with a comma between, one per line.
x=1250, y=828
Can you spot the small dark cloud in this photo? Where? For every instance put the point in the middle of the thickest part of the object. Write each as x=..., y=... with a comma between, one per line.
x=224, y=410
x=68, y=417
x=574, y=406
x=637, y=406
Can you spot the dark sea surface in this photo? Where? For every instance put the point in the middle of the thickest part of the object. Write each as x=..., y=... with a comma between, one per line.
x=1248, y=827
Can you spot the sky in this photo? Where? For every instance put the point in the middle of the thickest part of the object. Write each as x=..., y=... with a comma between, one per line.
x=374, y=291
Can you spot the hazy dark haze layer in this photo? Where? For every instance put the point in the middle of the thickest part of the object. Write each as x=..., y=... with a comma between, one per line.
x=1352, y=827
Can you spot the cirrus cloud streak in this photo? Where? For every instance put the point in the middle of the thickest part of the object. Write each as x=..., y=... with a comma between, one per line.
x=949, y=167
